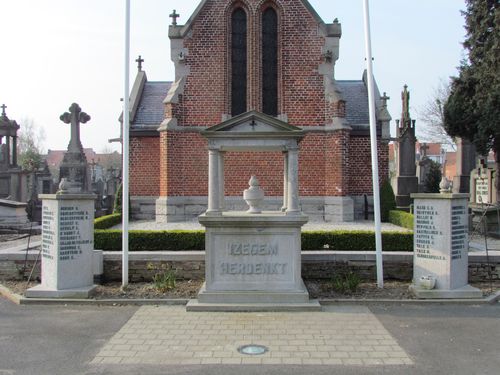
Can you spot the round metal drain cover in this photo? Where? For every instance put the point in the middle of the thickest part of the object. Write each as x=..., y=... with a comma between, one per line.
x=252, y=349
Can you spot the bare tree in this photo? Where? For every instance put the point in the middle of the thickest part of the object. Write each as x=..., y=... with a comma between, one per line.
x=31, y=137
x=431, y=117
x=30, y=144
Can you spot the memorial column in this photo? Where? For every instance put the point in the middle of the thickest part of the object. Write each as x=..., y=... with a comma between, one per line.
x=293, y=181
x=213, y=182
x=221, y=181
x=285, y=182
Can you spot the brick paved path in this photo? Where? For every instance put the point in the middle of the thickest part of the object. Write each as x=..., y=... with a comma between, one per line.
x=347, y=335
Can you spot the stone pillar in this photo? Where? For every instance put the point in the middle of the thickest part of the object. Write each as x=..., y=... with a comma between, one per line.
x=440, y=260
x=466, y=162
x=14, y=151
x=293, y=182
x=285, y=182
x=222, y=204
x=67, y=246
x=213, y=183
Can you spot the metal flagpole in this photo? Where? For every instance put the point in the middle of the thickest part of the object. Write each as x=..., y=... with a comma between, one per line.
x=125, y=150
x=373, y=139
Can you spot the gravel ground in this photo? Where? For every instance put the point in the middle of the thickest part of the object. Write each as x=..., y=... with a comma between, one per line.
x=194, y=225
x=318, y=288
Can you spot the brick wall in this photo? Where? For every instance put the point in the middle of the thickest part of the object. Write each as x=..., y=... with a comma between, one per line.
x=301, y=87
x=360, y=164
x=144, y=166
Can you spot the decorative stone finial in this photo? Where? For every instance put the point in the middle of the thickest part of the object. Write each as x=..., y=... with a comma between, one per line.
x=174, y=17
x=3, y=106
x=444, y=185
x=254, y=196
x=63, y=186
x=384, y=99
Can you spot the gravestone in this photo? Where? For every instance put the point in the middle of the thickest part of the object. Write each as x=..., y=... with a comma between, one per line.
x=423, y=168
x=253, y=258
x=441, y=247
x=68, y=226
x=466, y=159
x=483, y=201
x=406, y=181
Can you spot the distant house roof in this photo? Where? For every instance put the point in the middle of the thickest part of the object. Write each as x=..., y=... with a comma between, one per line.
x=151, y=110
x=355, y=95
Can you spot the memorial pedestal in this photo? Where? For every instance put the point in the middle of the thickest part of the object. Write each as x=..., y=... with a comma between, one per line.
x=253, y=263
x=67, y=247
x=441, y=246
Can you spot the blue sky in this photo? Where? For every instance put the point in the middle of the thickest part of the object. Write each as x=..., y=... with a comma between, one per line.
x=60, y=51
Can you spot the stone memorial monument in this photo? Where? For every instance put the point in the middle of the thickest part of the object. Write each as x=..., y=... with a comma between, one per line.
x=406, y=181
x=68, y=225
x=440, y=260
x=253, y=258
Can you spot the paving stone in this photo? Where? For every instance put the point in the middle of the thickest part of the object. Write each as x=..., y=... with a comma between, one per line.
x=339, y=335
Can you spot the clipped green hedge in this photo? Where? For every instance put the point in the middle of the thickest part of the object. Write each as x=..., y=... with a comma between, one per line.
x=143, y=240
x=105, y=222
x=401, y=218
x=356, y=240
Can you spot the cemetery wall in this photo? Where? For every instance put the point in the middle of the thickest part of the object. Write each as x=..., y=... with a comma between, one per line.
x=323, y=266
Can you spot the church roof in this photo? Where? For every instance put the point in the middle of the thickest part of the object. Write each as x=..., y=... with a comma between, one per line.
x=355, y=95
x=151, y=110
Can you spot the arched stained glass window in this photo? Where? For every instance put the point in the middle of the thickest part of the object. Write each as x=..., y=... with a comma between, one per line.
x=270, y=62
x=238, y=62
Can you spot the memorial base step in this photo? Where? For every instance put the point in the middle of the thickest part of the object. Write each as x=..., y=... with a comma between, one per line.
x=41, y=291
x=301, y=295
x=197, y=306
x=465, y=292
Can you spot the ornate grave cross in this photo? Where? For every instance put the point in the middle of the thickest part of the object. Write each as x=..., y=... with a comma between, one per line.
x=3, y=106
x=75, y=117
x=174, y=17
x=423, y=149
x=139, y=62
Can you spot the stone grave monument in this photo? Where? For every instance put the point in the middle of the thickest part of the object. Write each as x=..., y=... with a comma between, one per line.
x=483, y=199
x=406, y=181
x=440, y=260
x=68, y=225
x=253, y=258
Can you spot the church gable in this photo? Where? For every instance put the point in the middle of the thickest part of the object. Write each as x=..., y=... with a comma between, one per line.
x=271, y=56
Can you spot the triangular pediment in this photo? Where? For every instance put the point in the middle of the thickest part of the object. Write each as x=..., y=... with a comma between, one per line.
x=253, y=122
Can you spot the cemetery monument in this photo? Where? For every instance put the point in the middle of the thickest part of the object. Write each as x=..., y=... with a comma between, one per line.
x=406, y=181
x=68, y=224
x=253, y=258
x=441, y=259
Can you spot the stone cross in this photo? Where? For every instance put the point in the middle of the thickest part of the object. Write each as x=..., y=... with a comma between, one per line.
x=384, y=99
x=75, y=117
x=174, y=17
x=139, y=62
x=3, y=106
x=423, y=149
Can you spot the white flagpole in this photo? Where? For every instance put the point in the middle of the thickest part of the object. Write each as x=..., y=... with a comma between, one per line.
x=125, y=148
x=373, y=139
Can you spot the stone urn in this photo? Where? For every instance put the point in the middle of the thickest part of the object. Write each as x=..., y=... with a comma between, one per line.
x=254, y=196
x=427, y=282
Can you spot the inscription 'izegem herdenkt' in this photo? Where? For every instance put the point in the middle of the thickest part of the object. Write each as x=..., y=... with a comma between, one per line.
x=265, y=267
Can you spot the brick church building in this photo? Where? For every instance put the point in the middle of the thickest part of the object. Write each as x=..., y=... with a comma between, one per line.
x=274, y=59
